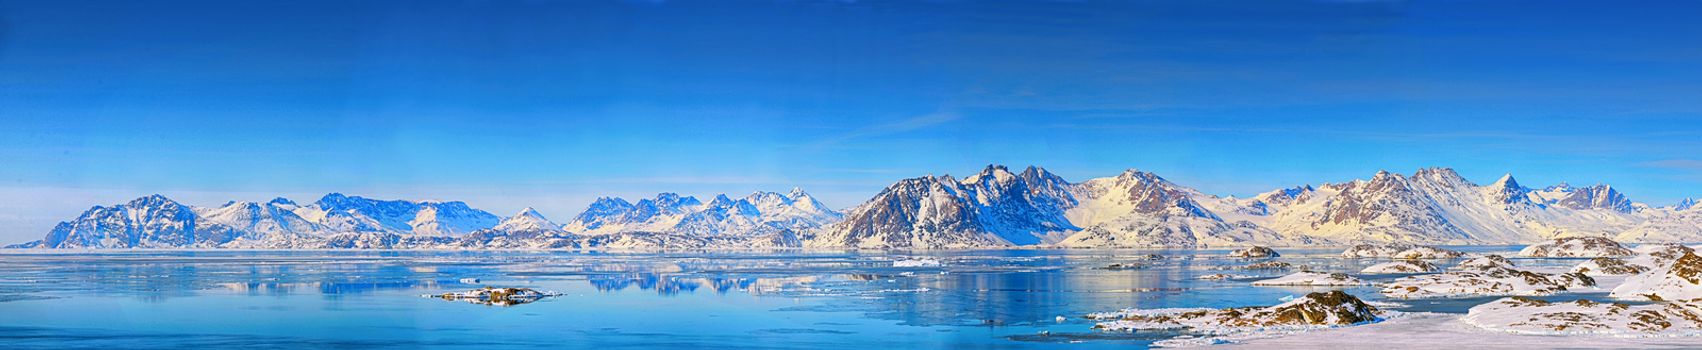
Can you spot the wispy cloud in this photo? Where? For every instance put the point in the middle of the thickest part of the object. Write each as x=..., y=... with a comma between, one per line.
x=1681, y=164
x=896, y=127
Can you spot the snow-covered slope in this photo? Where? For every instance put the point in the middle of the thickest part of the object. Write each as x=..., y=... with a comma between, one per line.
x=262, y=224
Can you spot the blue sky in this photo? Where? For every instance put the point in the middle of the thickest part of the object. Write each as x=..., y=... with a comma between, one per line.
x=508, y=104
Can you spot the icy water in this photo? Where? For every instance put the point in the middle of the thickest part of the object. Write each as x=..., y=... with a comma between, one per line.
x=782, y=300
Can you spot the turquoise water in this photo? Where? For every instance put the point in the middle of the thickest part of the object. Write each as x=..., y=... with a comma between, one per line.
x=345, y=299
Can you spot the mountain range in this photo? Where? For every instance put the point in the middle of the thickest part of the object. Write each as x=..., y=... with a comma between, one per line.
x=991, y=209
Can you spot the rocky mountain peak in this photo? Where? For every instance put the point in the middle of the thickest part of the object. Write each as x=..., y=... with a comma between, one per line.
x=1596, y=197
x=528, y=219
x=153, y=200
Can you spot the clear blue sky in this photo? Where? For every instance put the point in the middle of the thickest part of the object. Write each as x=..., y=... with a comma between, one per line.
x=508, y=104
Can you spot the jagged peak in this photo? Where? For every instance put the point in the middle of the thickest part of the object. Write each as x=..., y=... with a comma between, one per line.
x=797, y=192
x=1506, y=182
x=1132, y=173
x=1440, y=171
x=609, y=203
x=281, y=201
x=1038, y=174
x=151, y=200
x=1685, y=204
x=720, y=200
x=529, y=211
x=672, y=200
x=334, y=196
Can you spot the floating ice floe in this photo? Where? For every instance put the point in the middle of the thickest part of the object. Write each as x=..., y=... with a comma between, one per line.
x=1399, y=251
x=1608, y=267
x=1484, y=281
x=916, y=263
x=1307, y=278
x=1254, y=252
x=1577, y=247
x=1531, y=316
x=469, y=280
x=1315, y=310
x=1678, y=280
x=1401, y=267
x=497, y=296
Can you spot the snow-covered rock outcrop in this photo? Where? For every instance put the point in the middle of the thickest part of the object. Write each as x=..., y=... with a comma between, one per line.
x=1486, y=281
x=1608, y=267
x=1254, y=252
x=1532, y=316
x=1486, y=262
x=1307, y=278
x=1577, y=247
x=1314, y=310
x=498, y=296
x=1678, y=280
x=1399, y=251
x=1657, y=255
x=1401, y=267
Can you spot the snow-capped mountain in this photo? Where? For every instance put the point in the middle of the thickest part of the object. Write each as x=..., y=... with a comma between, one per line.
x=759, y=214
x=992, y=208
x=998, y=208
x=527, y=220
x=158, y=222
x=359, y=214
x=1139, y=209
x=923, y=212
x=273, y=221
x=148, y=222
